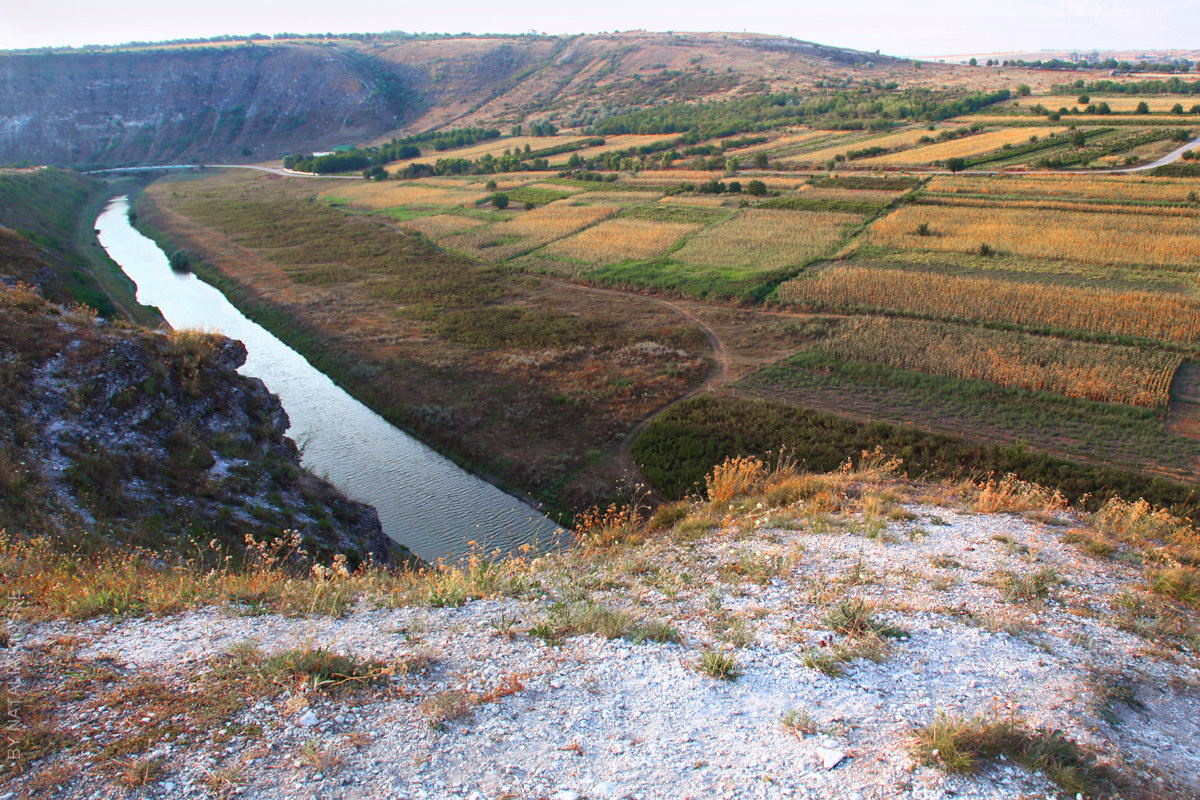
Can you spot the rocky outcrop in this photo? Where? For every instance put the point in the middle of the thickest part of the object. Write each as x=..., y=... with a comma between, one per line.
x=244, y=103
x=153, y=439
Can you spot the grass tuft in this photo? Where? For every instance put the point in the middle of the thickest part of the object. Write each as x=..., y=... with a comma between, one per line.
x=721, y=666
x=960, y=745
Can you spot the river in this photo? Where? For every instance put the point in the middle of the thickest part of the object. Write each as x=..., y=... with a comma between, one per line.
x=425, y=502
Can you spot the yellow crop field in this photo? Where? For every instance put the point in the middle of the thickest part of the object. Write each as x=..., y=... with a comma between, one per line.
x=1092, y=238
x=617, y=240
x=967, y=146
x=1150, y=315
x=492, y=147
x=377, y=195
x=1082, y=370
x=529, y=230
x=440, y=225
x=1120, y=104
x=1088, y=187
x=839, y=193
x=1190, y=210
x=767, y=239
x=611, y=144
x=889, y=141
x=702, y=200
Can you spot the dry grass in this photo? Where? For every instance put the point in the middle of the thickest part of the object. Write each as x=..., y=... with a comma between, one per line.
x=1109, y=239
x=1106, y=373
x=1162, y=317
x=529, y=230
x=768, y=239
x=959, y=745
x=1012, y=495
x=618, y=240
x=701, y=200
x=960, y=148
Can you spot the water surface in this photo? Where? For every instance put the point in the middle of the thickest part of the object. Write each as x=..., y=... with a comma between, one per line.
x=425, y=502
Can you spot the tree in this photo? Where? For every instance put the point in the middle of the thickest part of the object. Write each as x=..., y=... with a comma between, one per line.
x=180, y=261
x=974, y=62
x=1142, y=108
x=760, y=160
x=1024, y=90
x=500, y=200
x=756, y=188
x=1083, y=99
x=1078, y=139
x=956, y=164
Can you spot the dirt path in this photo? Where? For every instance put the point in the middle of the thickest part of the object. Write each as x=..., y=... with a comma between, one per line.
x=716, y=376
x=1183, y=410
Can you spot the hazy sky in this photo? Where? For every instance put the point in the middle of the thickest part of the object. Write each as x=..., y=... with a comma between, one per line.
x=917, y=27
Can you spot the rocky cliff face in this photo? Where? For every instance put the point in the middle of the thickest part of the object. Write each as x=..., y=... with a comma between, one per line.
x=152, y=438
x=247, y=103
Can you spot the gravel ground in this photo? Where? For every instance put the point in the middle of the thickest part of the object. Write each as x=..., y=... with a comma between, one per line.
x=590, y=717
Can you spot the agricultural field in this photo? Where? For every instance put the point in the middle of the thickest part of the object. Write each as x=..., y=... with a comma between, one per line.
x=612, y=144
x=1082, y=370
x=963, y=147
x=766, y=239
x=388, y=194
x=623, y=239
x=892, y=141
x=491, y=147
x=1139, y=237
x=1113, y=188
x=1157, y=316
x=530, y=230
x=1119, y=104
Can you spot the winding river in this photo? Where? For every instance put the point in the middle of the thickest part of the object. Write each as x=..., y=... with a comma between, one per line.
x=425, y=502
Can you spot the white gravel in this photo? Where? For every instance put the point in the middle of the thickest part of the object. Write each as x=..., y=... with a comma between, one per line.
x=613, y=719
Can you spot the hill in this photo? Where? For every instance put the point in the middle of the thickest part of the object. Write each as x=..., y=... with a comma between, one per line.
x=252, y=102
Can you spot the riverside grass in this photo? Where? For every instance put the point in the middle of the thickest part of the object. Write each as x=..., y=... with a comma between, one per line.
x=1150, y=315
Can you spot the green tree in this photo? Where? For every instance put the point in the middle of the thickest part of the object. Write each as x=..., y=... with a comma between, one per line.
x=760, y=160
x=1142, y=108
x=500, y=200
x=956, y=164
x=756, y=188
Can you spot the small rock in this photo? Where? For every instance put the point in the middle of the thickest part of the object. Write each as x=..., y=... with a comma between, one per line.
x=607, y=789
x=565, y=794
x=309, y=719
x=830, y=758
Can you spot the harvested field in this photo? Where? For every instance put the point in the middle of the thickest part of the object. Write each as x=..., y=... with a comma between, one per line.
x=890, y=141
x=377, y=195
x=1090, y=187
x=436, y=227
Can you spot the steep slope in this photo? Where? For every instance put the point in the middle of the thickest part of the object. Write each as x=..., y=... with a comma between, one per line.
x=184, y=105
x=151, y=438
x=242, y=102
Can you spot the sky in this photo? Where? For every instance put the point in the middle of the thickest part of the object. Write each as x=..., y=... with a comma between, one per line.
x=913, y=28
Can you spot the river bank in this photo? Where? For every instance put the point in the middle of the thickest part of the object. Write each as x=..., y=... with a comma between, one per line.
x=341, y=438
